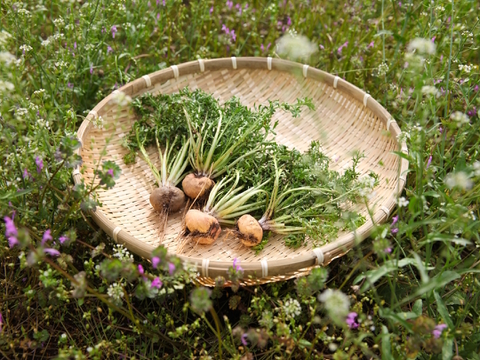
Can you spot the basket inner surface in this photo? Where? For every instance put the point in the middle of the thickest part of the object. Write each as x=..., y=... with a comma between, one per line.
x=341, y=124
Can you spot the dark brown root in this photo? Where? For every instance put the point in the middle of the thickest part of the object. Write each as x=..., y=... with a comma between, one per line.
x=197, y=186
x=167, y=198
x=249, y=230
x=202, y=228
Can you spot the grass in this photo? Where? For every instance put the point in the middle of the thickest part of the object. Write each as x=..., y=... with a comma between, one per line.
x=414, y=274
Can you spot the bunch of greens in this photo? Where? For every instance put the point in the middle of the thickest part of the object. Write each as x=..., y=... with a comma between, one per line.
x=231, y=138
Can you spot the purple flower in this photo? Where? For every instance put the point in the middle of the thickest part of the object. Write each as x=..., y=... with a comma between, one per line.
x=394, y=230
x=171, y=268
x=371, y=44
x=114, y=31
x=289, y=21
x=394, y=220
x=433, y=39
x=140, y=269
x=475, y=88
x=157, y=283
x=155, y=261
x=211, y=10
x=75, y=45
x=429, y=161
x=47, y=235
x=236, y=266
x=1, y=322
x=39, y=163
x=109, y=49
x=352, y=320
x=91, y=69
x=339, y=51
x=229, y=4
x=388, y=250
x=441, y=59
x=163, y=3
x=52, y=252
x=243, y=339
x=63, y=238
x=437, y=332
x=321, y=47
x=26, y=174
x=11, y=231
x=110, y=172
x=70, y=85
x=232, y=34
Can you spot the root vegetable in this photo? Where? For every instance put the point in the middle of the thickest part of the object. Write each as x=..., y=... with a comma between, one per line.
x=197, y=186
x=167, y=199
x=249, y=230
x=204, y=228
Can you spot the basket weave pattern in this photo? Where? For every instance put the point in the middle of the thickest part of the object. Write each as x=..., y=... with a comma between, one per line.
x=345, y=119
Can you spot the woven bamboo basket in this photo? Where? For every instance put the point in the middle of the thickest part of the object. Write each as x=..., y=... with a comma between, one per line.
x=345, y=119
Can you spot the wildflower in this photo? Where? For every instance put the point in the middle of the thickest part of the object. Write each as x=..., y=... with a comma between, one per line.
x=437, y=332
x=39, y=163
x=430, y=90
x=236, y=266
x=394, y=220
x=140, y=269
x=1, y=323
x=6, y=57
x=115, y=291
x=243, y=339
x=402, y=202
x=171, y=268
x=476, y=168
x=321, y=47
x=371, y=45
x=63, y=239
x=109, y=49
x=25, y=48
x=422, y=46
x=388, y=250
x=51, y=252
x=230, y=4
x=460, y=118
x=295, y=47
x=156, y=283
x=121, y=99
x=292, y=308
x=429, y=161
x=110, y=172
x=91, y=69
x=394, y=230
x=352, y=320
x=6, y=86
x=114, y=31
x=345, y=44
x=11, y=232
x=47, y=235
x=25, y=174
x=336, y=304
x=155, y=261
x=211, y=10
x=459, y=180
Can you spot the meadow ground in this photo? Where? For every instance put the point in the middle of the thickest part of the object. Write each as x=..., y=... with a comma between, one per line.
x=410, y=290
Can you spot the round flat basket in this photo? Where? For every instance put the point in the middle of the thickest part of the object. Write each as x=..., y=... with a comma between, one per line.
x=345, y=119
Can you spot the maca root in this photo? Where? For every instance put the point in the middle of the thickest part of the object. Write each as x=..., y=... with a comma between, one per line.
x=203, y=228
x=197, y=186
x=249, y=230
x=167, y=199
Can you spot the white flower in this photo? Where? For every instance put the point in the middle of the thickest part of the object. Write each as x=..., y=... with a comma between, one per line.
x=59, y=22
x=46, y=42
x=460, y=118
x=292, y=308
x=476, y=168
x=4, y=36
x=122, y=253
x=6, y=57
x=295, y=47
x=430, y=90
x=465, y=68
x=458, y=179
x=121, y=99
x=402, y=202
x=25, y=48
x=336, y=303
x=422, y=46
x=6, y=86
x=115, y=291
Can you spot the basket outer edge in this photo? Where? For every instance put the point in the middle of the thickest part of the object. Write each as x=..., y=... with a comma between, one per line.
x=332, y=250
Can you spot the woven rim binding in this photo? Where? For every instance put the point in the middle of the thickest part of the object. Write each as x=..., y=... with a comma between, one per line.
x=263, y=270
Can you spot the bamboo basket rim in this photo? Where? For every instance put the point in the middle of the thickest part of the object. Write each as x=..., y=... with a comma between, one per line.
x=260, y=271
